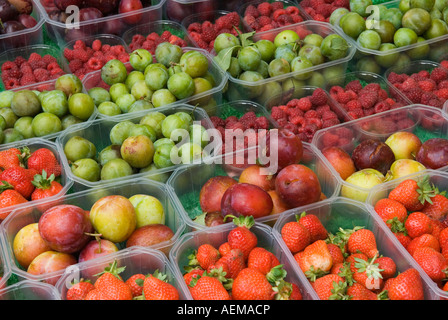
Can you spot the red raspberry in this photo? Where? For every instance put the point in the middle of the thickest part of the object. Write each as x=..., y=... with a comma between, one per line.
x=343, y=97
x=26, y=68
x=251, y=10
x=12, y=73
x=27, y=79
x=427, y=85
x=165, y=35
x=444, y=64
x=118, y=49
x=95, y=63
x=192, y=27
x=38, y=64
x=277, y=113
x=330, y=139
x=123, y=57
x=316, y=121
x=355, y=113
x=277, y=13
x=372, y=86
x=291, y=10
x=34, y=57
x=266, y=28
x=217, y=121
x=293, y=112
x=394, y=78
x=443, y=84
x=277, y=5
x=234, y=18
x=49, y=59
x=265, y=9
x=284, y=20
x=96, y=44
x=75, y=65
x=9, y=65
x=81, y=55
x=439, y=74
x=354, y=85
x=405, y=124
x=442, y=93
x=319, y=17
x=68, y=54
x=322, y=109
x=341, y=4
x=56, y=72
x=263, y=20
x=41, y=75
x=368, y=99
x=310, y=130
x=353, y=105
x=327, y=115
x=291, y=127
x=262, y=123
x=19, y=60
x=324, y=9
x=12, y=83
x=208, y=34
x=334, y=90
x=329, y=123
x=105, y=48
x=311, y=114
x=79, y=44
x=381, y=107
x=413, y=94
x=298, y=121
x=369, y=112
x=296, y=18
x=304, y=104
x=435, y=103
x=409, y=83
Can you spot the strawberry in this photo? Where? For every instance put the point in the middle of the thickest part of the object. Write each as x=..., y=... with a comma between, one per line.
x=404, y=239
x=262, y=260
x=418, y=224
x=315, y=260
x=44, y=159
x=224, y=248
x=45, y=187
x=312, y=223
x=135, y=282
x=425, y=240
x=295, y=236
x=389, y=209
x=206, y=287
x=8, y=198
x=12, y=158
x=432, y=262
x=234, y=261
x=412, y=194
x=336, y=253
x=251, y=284
x=156, y=287
x=241, y=237
x=359, y=292
x=206, y=255
x=21, y=179
x=296, y=294
x=364, y=241
x=407, y=286
x=443, y=238
x=330, y=287
x=190, y=275
x=367, y=273
x=79, y=290
x=437, y=208
x=343, y=270
x=388, y=267
x=110, y=286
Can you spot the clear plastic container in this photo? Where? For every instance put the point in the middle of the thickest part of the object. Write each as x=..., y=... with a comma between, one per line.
x=26, y=37
x=345, y=213
x=98, y=132
x=424, y=121
x=206, y=100
x=136, y=260
x=440, y=180
x=366, y=78
x=30, y=290
x=186, y=182
x=297, y=93
x=411, y=68
x=115, y=24
x=365, y=59
x=286, y=3
x=33, y=145
x=258, y=91
x=85, y=199
x=25, y=52
x=157, y=26
x=216, y=236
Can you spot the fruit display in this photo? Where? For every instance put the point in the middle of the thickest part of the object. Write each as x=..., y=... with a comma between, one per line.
x=267, y=15
x=305, y=111
x=88, y=225
x=363, y=94
x=398, y=32
x=149, y=145
x=96, y=17
x=30, y=66
x=136, y=273
x=221, y=188
x=240, y=262
x=29, y=175
x=421, y=82
x=414, y=209
x=364, y=156
x=345, y=254
x=266, y=64
x=172, y=75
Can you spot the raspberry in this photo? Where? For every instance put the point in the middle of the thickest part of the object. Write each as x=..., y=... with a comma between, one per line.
x=19, y=60
x=368, y=112
x=394, y=78
x=224, y=23
x=26, y=68
x=277, y=13
x=277, y=113
x=368, y=99
x=231, y=119
x=118, y=49
x=12, y=73
x=329, y=123
x=327, y=115
x=262, y=123
x=27, y=79
x=291, y=127
x=443, y=84
x=96, y=44
x=13, y=83
x=41, y=75
x=330, y=139
x=322, y=109
x=304, y=104
x=284, y=20
x=444, y=64
x=298, y=121
x=95, y=63
x=439, y=74
x=49, y=59
x=442, y=93
x=123, y=57
x=381, y=107
x=277, y=5
x=263, y=20
x=354, y=85
x=353, y=105
x=34, y=57
x=405, y=124
x=319, y=17
x=56, y=72
x=311, y=114
x=251, y=10
x=356, y=113
x=79, y=44
x=105, y=48
x=291, y=10
x=293, y=112
x=81, y=55
x=265, y=9
x=334, y=90
x=266, y=28
x=310, y=129
x=234, y=18
x=208, y=34
x=372, y=86
x=316, y=121
x=325, y=9
x=296, y=18
x=165, y=35
x=343, y=97
x=38, y=64
x=217, y=121
x=68, y=54
x=341, y=4
x=409, y=83
x=75, y=65
x=413, y=94
x=427, y=85
x=9, y=65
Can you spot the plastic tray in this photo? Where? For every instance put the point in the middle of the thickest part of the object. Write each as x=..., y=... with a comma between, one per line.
x=157, y=26
x=412, y=67
x=424, y=121
x=186, y=182
x=25, y=37
x=286, y=96
x=436, y=177
x=93, y=79
x=98, y=131
x=25, y=52
x=135, y=260
x=30, y=290
x=437, y=50
x=114, y=24
x=245, y=90
x=344, y=213
x=286, y=3
x=85, y=199
x=366, y=78
x=216, y=236
x=34, y=144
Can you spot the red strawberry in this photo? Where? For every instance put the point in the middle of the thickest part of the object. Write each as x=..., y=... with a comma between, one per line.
x=330, y=287
x=388, y=267
x=21, y=179
x=207, y=255
x=135, y=282
x=44, y=159
x=262, y=260
x=12, y=157
x=235, y=262
x=412, y=194
x=407, y=286
x=359, y=292
x=155, y=287
x=432, y=262
x=364, y=241
x=79, y=290
x=251, y=284
x=295, y=236
x=315, y=260
x=425, y=240
x=208, y=288
x=389, y=209
x=9, y=197
x=110, y=286
x=194, y=273
x=314, y=226
x=418, y=224
x=367, y=273
x=437, y=208
x=336, y=253
x=241, y=237
x=45, y=187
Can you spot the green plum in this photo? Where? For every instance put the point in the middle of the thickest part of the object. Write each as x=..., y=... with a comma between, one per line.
x=114, y=71
x=404, y=37
x=225, y=40
x=416, y=19
x=11, y=135
x=250, y=88
x=117, y=90
x=352, y=24
x=167, y=53
x=77, y=148
x=175, y=127
x=140, y=59
x=266, y=49
x=195, y=64
x=46, y=123
x=278, y=67
x=120, y=131
x=124, y=102
x=337, y=14
x=234, y=68
x=25, y=103
x=181, y=85
x=69, y=120
x=141, y=91
x=133, y=77
x=298, y=65
x=360, y=7
x=81, y=105
x=285, y=37
x=109, y=108
x=69, y=83
x=334, y=47
x=55, y=102
x=99, y=95
x=154, y=120
x=312, y=53
x=369, y=39
x=162, y=97
x=143, y=130
x=156, y=78
x=24, y=126
x=438, y=28
x=162, y=156
x=140, y=105
x=6, y=98
x=249, y=58
x=115, y=168
x=387, y=60
x=9, y=116
x=86, y=169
